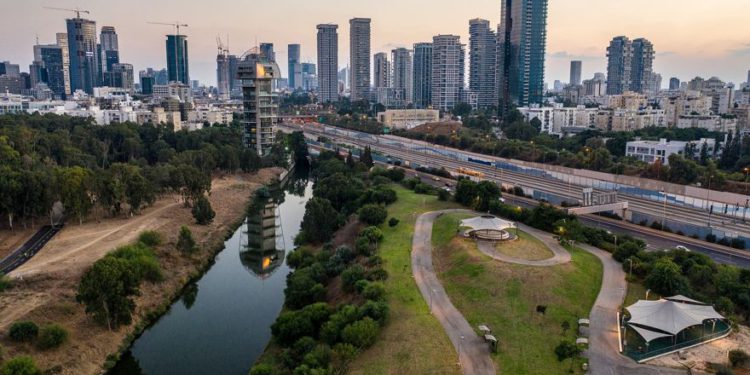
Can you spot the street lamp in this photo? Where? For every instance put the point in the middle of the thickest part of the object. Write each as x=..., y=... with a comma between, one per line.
x=708, y=200
x=630, y=274
x=664, y=209
x=746, y=170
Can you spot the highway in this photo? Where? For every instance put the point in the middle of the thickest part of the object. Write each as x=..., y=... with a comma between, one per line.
x=28, y=249
x=671, y=213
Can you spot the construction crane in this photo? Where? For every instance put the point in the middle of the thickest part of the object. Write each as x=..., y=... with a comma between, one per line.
x=176, y=25
x=76, y=10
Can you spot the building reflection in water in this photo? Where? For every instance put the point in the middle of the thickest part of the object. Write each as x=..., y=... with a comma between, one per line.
x=262, y=247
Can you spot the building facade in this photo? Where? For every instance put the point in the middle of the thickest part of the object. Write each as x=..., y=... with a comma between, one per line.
x=642, y=67
x=422, y=73
x=381, y=71
x=447, y=77
x=177, y=59
x=328, y=63
x=82, y=50
x=483, y=62
x=403, y=76
x=619, y=65
x=359, y=49
x=53, y=64
x=295, y=68
x=109, y=50
x=674, y=84
x=522, y=43
x=576, y=67
x=260, y=102
x=62, y=42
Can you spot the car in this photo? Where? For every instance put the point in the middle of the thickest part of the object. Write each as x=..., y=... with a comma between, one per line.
x=435, y=178
x=683, y=248
x=501, y=199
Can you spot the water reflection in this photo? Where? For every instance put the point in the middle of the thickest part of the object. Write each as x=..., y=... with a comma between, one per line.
x=260, y=251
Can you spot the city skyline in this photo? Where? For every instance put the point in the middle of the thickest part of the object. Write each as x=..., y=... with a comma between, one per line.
x=683, y=50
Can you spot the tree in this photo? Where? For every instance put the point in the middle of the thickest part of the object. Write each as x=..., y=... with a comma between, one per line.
x=666, y=278
x=52, y=336
x=185, y=241
x=23, y=331
x=298, y=146
x=372, y=214
x=321, y=220
x=342, y=191
x=107, y=290
x=361, y=334
x=443, y=195
x=21, y=365
x=567, y=350
x=366, y=157
x=461, y=110
x=75, y=190
x=738, y=358
x=202, y=211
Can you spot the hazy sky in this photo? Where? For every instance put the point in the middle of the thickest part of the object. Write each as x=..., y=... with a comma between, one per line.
x=691, y=37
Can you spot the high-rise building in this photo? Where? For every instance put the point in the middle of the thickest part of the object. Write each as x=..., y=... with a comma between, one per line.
x=109, y=49
x=267, y=50
x=235, y=86
x=674, y=84
x=447, y=71
x=522, y=42
x=483, y=62
x=222, y=72
x=50, y=62
x=177, y=59
x=619, y=65
x=403, y=77
x=359, y=49
x=328, y=63
x=6, y=68
x=642, y=66
x=62, y=41
x=295, y=68
x=382, y=70
x=422, y=73
x=82, y=47
x=748, y=77
x=257, y=73
x=120, y=75
x=147, y=84
x=575, y=72
x=309, y=77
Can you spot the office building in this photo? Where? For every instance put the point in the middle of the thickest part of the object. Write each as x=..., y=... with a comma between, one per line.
x=84, y=62
x=447, y=71
x=642, y=66
x=120, y=75
x=257, y=73
x=748, y=77
x=575, y=72
x=178, y=90
x=235, y=87
x=482, y=62
x=109, y=50
x=403, y=78
x=62, y=42
x=267, y=50
x=147, y=84
x=295, y=68
x=359, y=49
x=381, y=70
x=674, y=84
x=619, y=65
x=328, y=63
x=177, y=59
x=309, y=77
x=522, y=42
x=422, y=73
x=6, y=68
x=222, y=72
x=49, y=67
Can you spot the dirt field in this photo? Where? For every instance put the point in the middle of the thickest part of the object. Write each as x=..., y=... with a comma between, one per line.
x=438, y=128
x=713, y=352
x=45, y=292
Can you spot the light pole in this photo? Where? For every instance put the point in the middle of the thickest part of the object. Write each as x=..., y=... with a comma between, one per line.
x=746, y=170
x=647, y=292
x=664, y=209
x=708, y=200
x=630, y=274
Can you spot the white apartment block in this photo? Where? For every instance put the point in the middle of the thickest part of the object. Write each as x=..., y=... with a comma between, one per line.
x=650, y=151
x=710, y=122
x=173, y=90
x=408, y=118
x=684, y=103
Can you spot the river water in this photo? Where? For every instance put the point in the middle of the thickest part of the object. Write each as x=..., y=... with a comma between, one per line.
x=221, y=323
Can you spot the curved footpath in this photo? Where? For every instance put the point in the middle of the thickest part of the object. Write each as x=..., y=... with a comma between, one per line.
x=473, y=352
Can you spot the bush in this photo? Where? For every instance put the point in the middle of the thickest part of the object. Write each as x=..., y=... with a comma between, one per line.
x=361, y=334
x=21, y=365
x=738, y=358
x=374, y=292
x=721, y=370
x=443, y=195
x=372, y=214
x=263, y=369
x=23, y=331
x=378, y=274
x=150, y=238
x=372, y=234
x=186, y=243
x=393, y=222
x=52, y=336
x=350, y=276
x=142, y=261
x=378, y=311
x=202, y=211
x=5, y=282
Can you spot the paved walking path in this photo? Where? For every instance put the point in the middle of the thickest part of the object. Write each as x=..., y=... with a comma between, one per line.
x=561, y=256
x=473, y=352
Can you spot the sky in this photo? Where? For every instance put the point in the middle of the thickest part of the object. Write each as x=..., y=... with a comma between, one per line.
x=691, y=37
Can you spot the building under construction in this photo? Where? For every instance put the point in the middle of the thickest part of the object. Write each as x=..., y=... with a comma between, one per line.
x=260, y=102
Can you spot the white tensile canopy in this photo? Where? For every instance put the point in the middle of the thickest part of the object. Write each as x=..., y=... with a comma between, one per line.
x=681, y=298
x=487, y=222
x=655, y=319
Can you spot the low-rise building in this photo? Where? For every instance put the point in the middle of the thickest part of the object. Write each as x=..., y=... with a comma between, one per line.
x=408, y=118
x=173, y=90
x=712, y=123
x=650, y=151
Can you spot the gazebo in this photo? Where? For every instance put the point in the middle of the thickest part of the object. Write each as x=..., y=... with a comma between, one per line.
x=671, y=324
x=488, y=227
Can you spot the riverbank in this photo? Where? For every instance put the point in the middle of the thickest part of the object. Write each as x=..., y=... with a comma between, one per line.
x=47, y=292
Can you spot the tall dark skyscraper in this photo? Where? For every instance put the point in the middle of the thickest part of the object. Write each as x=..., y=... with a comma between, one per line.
x=642, y=66
x=522, y=42
x=328, y=63
x=575, y=72
x=267, y=50
x=483, y=62
x=422, y=75
x=84, y=62
x=629, y=65
x=359, y=49
x=295, y=66
x=674, y=84
x=109, y=49
x=177, y=59
x=51, y=61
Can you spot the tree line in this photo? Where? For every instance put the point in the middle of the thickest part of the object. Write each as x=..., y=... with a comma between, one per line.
x=120, y=168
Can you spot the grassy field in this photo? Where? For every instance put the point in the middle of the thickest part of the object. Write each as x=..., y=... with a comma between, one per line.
x=526, y=247
x=505, y=297
x=636, y=291
x=413, y=342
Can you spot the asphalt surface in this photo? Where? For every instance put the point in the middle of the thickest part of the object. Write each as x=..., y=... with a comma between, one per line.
x=28, y=249
x=561, y=256
x=473, y=352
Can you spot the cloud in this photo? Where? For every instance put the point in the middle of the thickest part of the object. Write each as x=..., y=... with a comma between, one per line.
x=743, y=51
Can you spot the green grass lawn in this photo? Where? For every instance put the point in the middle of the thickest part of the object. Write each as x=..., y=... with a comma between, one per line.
x=636, y=291
x=526, y=247
x=413, y=342
x=505, y=297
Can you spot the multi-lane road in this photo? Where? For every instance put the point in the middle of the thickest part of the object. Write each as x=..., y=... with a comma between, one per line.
x=28, y=249
x=417, y=153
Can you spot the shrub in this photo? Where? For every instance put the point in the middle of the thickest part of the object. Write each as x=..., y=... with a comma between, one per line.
x=142, y=261
x=52, y=336
x=372, y=214
x=374, y=292
x=319, y=357
x=378, y=274
x=150, y=238
x=21, y=365
x=738, y=358
x=186, y=242
x=363, y=246
x=202, y=211
x=721, y=370
x=443, y=195
x=393, y=222
x=23, y=331
x=378, y=311
x=5, y=282
x=350, y=276
x=361, y=334
x=263, y=369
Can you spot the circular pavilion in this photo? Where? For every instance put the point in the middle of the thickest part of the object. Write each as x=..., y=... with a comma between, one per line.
x=488, y=227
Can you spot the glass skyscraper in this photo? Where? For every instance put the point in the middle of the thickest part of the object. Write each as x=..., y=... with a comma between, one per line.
x=177, y=59
x=483, y=62
x=295, y=68
x=522, y=42
x=84, y=62
x=422, y=75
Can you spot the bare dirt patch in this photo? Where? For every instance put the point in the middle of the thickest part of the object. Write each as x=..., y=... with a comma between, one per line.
x=713, y=352
x=46, y=293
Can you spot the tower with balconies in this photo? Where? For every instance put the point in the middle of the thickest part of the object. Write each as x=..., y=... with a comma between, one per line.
x=260, y=102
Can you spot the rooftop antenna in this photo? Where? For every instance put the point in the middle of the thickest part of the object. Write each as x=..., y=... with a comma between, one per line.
x=77, y=11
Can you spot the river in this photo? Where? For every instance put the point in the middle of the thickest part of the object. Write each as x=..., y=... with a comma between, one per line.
x=221, y=323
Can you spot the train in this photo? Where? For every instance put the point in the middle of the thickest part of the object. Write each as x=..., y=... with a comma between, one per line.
x=470, y=172
x=480, y=161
